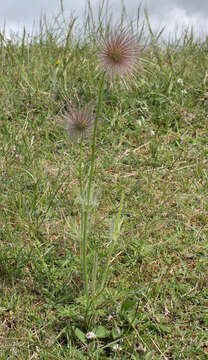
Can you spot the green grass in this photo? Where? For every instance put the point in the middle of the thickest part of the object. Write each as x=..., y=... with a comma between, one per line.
x=153, y=145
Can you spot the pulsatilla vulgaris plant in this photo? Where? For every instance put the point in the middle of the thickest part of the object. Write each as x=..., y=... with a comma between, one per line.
x=118, y=58
x=78, y=122
x=119, y=54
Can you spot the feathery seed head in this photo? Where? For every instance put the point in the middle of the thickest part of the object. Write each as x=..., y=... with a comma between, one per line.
x=119, y=54
x=78, y=122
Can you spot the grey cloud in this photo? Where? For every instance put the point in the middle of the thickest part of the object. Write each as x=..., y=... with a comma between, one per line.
x=18, y=10
x=160, y=11
x=24, y=10
x=161, y=8
x=194, y=6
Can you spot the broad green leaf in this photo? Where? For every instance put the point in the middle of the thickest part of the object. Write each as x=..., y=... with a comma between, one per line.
x=80, y=335
x=101, y=332
x=128, y=305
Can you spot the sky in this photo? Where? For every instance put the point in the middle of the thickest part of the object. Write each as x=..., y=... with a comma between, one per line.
x=171, y=14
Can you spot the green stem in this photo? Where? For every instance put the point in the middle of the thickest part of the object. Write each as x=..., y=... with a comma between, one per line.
x=84, y=252
x=85, y=215
x=92, y=167
x=82, y=256
x=80, y=169
x=114, y=236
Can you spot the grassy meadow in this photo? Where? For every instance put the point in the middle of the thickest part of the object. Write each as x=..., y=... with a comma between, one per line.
x=152, y=146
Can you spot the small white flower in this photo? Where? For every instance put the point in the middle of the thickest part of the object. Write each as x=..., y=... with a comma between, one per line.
x=90, y=335
x=116, y=347
x=19, y=157
x=184, y=92
x=180, y=82
x=110, y=317
x=152, y=132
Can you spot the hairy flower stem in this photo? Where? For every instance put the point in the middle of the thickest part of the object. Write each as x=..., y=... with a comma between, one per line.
x=80, y=169
x=81, y=194
x=115, y=233
x=86, y=211
x=92, y=165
